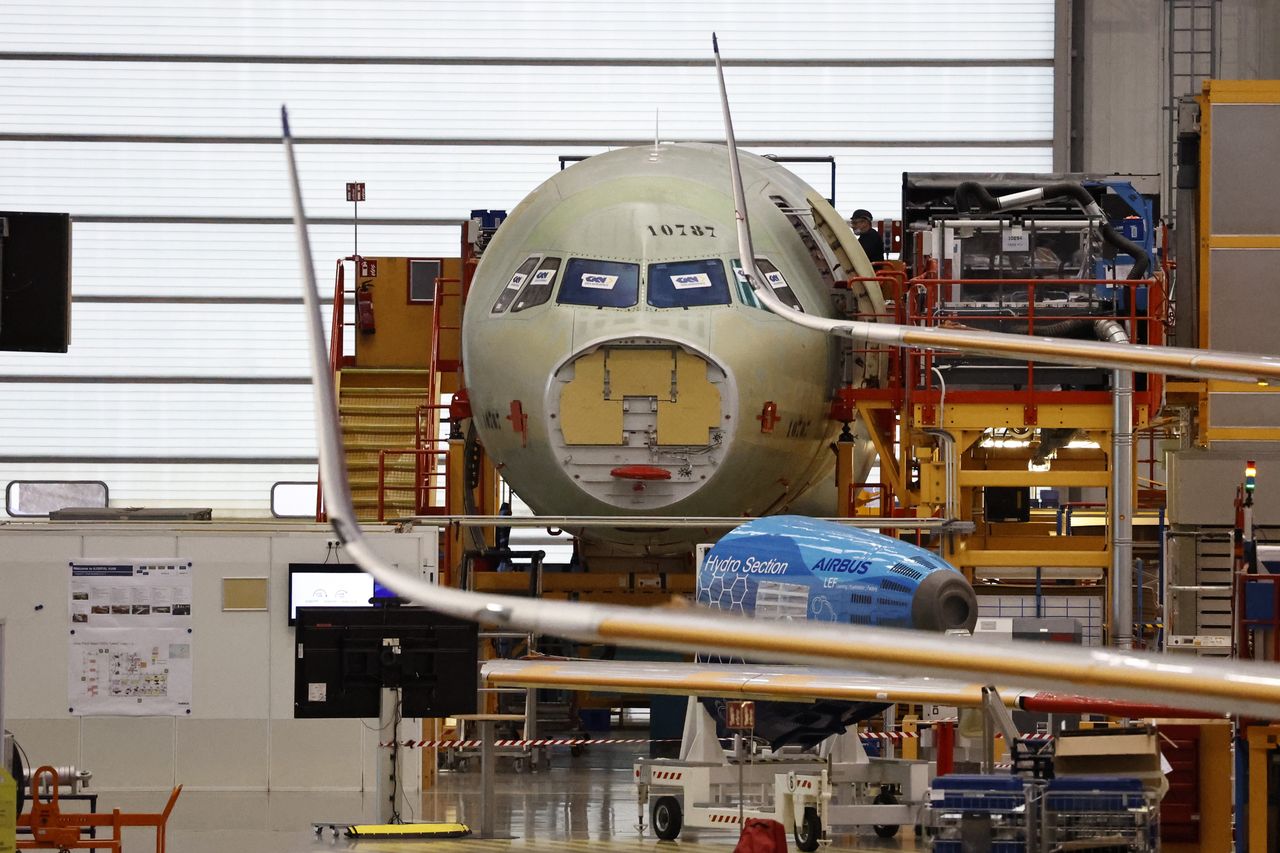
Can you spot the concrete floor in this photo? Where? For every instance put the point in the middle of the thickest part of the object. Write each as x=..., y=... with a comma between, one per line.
x=583, y=803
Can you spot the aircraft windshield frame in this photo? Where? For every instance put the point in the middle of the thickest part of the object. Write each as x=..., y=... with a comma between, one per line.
x=596, y=283
x=515, y=285
x=774, y=278
x=538, y=287
x=687, y=283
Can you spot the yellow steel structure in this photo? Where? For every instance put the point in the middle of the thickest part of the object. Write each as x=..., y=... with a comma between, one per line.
x=1221, y=243
x=384, y=387
x=983, y=464
x=1263, y=744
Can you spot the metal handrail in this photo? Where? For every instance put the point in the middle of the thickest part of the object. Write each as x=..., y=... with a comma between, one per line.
x=441, y=294
x=926, y=290
x=422, y=477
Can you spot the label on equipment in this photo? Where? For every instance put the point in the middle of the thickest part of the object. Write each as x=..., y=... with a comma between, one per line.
x=543, y=276
x=598, y=281
x=1014, y=239
x=776, y=279
x=516, y=281
x=692, y=280
x=317, y=692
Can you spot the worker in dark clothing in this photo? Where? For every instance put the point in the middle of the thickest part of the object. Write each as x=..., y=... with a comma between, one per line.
x=871, y=240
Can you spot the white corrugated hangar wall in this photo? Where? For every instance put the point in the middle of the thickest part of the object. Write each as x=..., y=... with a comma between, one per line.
x=155, y=125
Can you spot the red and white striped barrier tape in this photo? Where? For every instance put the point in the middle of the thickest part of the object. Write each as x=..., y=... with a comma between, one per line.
x=521, y=742
x=868, y=737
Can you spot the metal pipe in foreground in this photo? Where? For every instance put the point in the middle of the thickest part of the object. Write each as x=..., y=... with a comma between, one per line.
x=1121, y=497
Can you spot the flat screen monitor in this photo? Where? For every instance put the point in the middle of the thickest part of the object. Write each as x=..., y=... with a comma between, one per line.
x=347, y=655
x=331, y=585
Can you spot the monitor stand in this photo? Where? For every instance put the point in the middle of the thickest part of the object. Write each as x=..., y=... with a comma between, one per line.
x=389, y=785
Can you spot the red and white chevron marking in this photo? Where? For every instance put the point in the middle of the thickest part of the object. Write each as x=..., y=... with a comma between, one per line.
x=892, y=737
x=723, y=818
x=668, y=775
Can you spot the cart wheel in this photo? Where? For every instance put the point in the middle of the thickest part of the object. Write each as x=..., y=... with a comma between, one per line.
x=886, y=798
x=667, y=818
x=808, y=831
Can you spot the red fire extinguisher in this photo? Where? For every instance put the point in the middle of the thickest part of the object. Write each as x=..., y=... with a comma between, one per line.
x=364, y=308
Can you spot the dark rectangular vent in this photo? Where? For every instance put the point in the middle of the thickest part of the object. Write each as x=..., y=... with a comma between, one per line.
x=906, y=571
x=889, y=585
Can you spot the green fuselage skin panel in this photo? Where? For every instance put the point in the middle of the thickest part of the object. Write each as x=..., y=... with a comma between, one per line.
x=645, y=206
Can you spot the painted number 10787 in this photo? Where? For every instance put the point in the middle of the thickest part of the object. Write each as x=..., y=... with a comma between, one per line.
x=682, y=230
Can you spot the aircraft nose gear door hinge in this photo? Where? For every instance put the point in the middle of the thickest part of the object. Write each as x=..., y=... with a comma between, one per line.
x=519, y=422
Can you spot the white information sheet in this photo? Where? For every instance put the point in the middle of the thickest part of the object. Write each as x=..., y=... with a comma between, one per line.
x=130, y=637
x=130, y=671
x=142, y=594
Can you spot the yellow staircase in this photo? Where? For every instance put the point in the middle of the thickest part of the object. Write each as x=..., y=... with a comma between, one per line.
x=379, y=411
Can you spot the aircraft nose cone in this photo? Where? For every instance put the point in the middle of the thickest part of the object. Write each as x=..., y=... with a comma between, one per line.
x=944, y=600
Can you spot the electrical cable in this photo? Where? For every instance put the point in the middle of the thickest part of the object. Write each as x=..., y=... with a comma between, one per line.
x=395, y=756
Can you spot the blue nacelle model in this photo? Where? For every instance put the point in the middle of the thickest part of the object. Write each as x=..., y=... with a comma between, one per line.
x=797, y=568
x=792, y=567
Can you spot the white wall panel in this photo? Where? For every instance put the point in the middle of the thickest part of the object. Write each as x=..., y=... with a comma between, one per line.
x=403, y=181
x=209, y=340
x=872, y=177
x=241, y=732
x=231, y=490
x=567, y=28
x=110, y=419
x=223, y=259
x=814, y=103
x=249, y=180
x=969, y=88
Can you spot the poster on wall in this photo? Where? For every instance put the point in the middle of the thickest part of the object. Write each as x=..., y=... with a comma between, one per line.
x=130, y=671
x=130, y=637
x=143, y=594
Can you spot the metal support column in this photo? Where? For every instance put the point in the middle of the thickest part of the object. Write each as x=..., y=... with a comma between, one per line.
x=487, y=791
x=389, y=780
x=1121, y=500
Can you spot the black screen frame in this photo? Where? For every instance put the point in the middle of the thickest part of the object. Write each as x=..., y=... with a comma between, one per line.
x=343, y=649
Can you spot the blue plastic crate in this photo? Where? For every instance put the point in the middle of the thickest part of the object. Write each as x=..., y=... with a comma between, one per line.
x=946, y=845
x=1094, y=794
x=977, y=792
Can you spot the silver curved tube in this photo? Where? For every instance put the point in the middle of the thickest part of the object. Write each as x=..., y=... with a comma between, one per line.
x=1225, y=687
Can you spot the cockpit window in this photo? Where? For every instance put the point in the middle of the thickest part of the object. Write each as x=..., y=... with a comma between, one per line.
x=518, y=278
x=779, y=284
x=772, y=277
x=604, y=284
x=746, y=295
x=683, y=284
x=537, y=289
